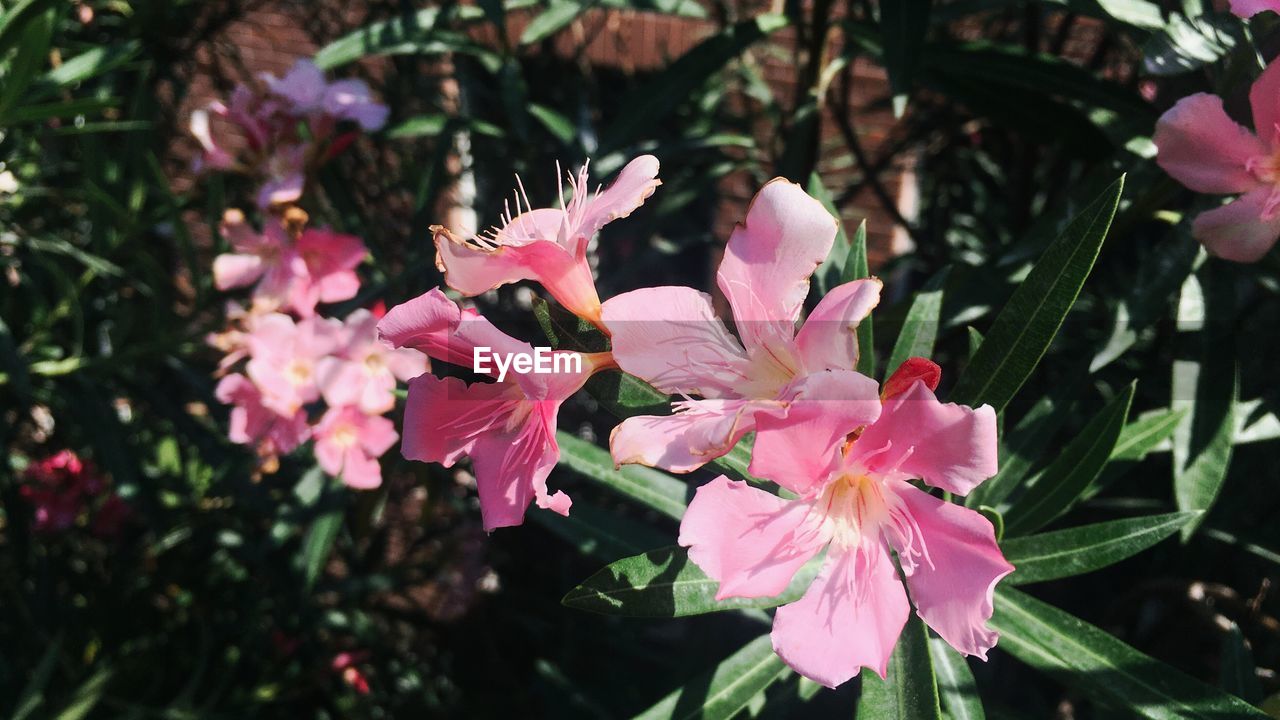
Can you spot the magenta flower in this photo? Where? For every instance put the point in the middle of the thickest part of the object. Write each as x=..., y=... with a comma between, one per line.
x=285, y=357
x=1249, y=8
x=288, y=274
x=58, y=488
x=308, y=94
x=365, y=370
x=547, y=245
x=254, y=423
x=507, y=427
x=858, y=504
x=349, y=443
x=776, y=381
x=1205, y=150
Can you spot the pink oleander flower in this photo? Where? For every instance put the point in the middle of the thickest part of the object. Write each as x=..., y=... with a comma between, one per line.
x=253, y=423
x=1205, y=150
x=365, y=370
x=349, y=443
x=507, y=427
x=1249, y=8
x=547, y=245
x=58, y=488
x=287, y=273
x=857, y=503
x=777, y=381
x=268, y=115
x=285, y=358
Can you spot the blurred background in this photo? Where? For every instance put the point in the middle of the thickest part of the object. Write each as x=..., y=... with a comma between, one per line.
x=187, y=584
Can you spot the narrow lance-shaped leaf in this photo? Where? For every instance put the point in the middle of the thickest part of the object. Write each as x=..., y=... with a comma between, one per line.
x=903, y=24
x=652, y=488
x=920, y=328
x=828, y=274
x=1138, y=438
x=1078, y=550
x=959, y=693
x=1091, y=660
x=1209, y=386
x=598, y=532
x=665, y=583
x=723, y=691
x=1062, y=483
x=855, y=269
x=1237, y=673
x=909, y=690
x=556, y=17
x=1023, y=330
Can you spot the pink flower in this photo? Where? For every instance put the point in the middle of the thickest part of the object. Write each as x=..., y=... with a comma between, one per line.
x=319, y=267
x=253, y=423
x=547, y=245
x=1204, y=149
x=58, y=488
x=349, y=443
x=858, y=504
x=776, y=381
x=285, y=359
x=365, y=370
x=507, y=427
x=1249, y=8
x=308, y=94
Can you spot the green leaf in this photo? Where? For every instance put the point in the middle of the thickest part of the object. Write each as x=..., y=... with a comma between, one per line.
x=555, y=123
x=86, y=696
x=32, y=696
x=1022, y=332
x=723, y=691
x=855, y=269
x=556, y=17
x=1145, y=434
x=903, y=25
x=1091, y=660
x=1067, y=477
x=829, y=273
x=91, y=63
x=920, y=328
x=652, y=488
x=960, y=697
x=665, y=583
x=13, y=22
x=318, y=545
x=1209, y=387
x=650, y=103
x=424, y=32
x=32, y=55
x=1237, y=672
x=1078, y=550
x=1187, y=44
x=909, y=690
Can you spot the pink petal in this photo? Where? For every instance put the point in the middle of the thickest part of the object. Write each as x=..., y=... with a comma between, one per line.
x=444, y=417
x=351, y=100
x=566, y=276
x=952, y=586
x=360, y=471
x=798, y=448
x=850, y=618
x=1202, y=148
x=748, y=540
x=377, y=435
x=1249, y=8
x=281, y=190
x=340, y=381
x=699, y=431
x=303, y=86
x=769, y=258
x=633, y=186
x=1264, y=97
x=433, y=324
x=1239, y=230
x=950, y=446
x=233, y=271
x=829, y=339
x=671, y=338
x=511, y=469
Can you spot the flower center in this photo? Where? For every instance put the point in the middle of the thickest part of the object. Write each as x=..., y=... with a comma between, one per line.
x=298, y=372
x=345, y=435
x=373, y=363
x=854, y=505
